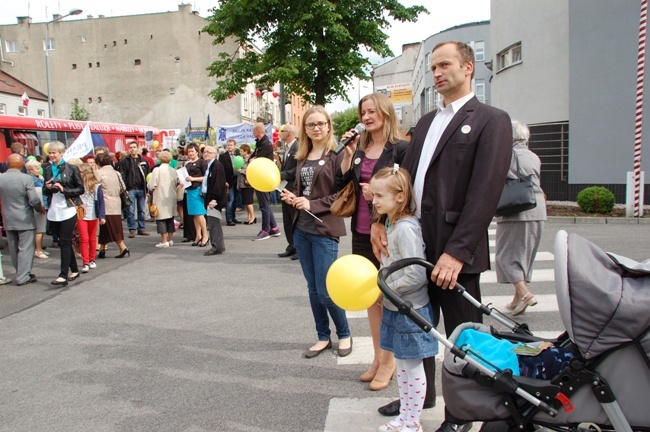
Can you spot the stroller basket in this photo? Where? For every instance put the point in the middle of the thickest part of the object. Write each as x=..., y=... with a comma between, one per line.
x=604, y=302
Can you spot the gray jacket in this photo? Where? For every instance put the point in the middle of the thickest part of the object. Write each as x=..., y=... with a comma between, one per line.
x=529, y=164
x=405, y=241
x=19, y=200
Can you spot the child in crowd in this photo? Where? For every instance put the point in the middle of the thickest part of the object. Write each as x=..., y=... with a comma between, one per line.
x=93, y=204
x=392, y=199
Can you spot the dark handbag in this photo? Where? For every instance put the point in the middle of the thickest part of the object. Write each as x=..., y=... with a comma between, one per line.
x=346, y=201
x=518, y=194
x=125, y=201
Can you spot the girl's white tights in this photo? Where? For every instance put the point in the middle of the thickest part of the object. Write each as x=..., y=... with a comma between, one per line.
x=412, y=384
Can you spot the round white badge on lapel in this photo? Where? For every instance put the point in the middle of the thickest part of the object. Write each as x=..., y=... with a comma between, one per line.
x=321, y=162
x=357, y=161
x=465, y=129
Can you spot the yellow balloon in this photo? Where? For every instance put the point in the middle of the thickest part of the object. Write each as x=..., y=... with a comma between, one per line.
x=352, y=283
x=263, y=174
x=156, y=144
x=46, y=146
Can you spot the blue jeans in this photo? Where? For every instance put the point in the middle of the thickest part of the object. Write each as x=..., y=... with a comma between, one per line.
x=231, y=213
x=316, y=254
x=268, y=218
x=137, y=198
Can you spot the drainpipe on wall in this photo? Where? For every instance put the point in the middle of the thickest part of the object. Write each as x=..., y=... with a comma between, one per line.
x=2, y=55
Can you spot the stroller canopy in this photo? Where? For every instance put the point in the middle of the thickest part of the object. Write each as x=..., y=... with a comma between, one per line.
x=604, y=299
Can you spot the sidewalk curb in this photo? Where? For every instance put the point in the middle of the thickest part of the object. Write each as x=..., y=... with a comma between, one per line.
x=598, y=220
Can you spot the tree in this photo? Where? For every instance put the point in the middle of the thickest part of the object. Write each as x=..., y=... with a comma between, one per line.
x=345, y=120
x=314, y=48
x=79, y=112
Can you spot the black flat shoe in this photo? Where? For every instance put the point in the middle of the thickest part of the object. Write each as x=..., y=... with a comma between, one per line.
x=186, y=240
x=57, y=282
x=311, y=354
x=346, y=351
x=126, y=251
x=71, y=278
x=102, y=254
x=286, y=254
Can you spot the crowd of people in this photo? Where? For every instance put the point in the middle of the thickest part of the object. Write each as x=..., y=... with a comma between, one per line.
x=433, y=197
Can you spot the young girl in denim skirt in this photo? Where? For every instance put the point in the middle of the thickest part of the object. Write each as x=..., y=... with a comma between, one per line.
x=392, y=199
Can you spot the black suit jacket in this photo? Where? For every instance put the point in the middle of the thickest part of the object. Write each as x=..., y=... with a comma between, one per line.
x=463, y=182
x=288, y=169
x=216, y=186
x=392, y=154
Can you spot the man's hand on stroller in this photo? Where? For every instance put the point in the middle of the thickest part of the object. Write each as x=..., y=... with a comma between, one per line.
x=445, y=273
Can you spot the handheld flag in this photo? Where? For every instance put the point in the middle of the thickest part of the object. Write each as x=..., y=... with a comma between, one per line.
x=81, y=146
x=25, y=99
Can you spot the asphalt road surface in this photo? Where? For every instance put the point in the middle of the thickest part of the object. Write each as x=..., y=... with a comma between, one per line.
x=170, y=340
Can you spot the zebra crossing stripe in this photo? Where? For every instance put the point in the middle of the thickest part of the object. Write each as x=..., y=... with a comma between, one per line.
x=541, y=256
x=539, y=275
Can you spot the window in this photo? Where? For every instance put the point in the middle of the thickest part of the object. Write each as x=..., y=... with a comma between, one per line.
x=90, y=65
x=479, y=89
x=509, y=57
x=99, y=99
x=138, y=62
x=125, y=41
x=41, y=113
x=97, y=64
x=479, y=51
x=22, y=111
x=48, y=45
x=3, y=108
x=74, y=66
x=11, y=46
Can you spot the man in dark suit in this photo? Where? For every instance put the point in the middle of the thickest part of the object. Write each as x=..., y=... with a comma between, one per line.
x=215, y=198
x=227, y=160
x=458, y=160
x=288, y=173
x=19, y=201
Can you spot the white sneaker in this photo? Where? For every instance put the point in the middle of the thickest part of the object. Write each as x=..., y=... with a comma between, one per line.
x=163, y=245
x=92, y=265
x=85, y=268
x=41, y=255
x=171, y=242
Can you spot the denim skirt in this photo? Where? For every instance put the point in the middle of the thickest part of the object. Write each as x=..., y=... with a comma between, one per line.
x=403, y=338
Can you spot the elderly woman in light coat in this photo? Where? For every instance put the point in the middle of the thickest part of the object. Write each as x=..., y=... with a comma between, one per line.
x=112, y=184
x=518, y=235
x=163, y=185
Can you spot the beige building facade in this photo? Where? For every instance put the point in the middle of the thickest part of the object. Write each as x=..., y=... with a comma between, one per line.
x=141, y=69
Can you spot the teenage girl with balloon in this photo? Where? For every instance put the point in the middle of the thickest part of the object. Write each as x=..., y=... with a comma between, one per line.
x=392, y=198
x=317, y=240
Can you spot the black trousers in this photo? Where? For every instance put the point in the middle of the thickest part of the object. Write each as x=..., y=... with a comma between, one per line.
x=63, y=230
x=189, y=231
x=288, y=212
x=455, y=311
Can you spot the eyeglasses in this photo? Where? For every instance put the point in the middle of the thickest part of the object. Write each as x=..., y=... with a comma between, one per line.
x=312, y=126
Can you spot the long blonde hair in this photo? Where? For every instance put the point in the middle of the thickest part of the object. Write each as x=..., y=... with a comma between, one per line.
x=88, y=177
x=383, y=105
x=304, y=142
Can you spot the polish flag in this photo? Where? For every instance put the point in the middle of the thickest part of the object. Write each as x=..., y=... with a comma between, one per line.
x=25, y=99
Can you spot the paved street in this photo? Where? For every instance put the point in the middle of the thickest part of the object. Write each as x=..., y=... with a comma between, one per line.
x=169, y=340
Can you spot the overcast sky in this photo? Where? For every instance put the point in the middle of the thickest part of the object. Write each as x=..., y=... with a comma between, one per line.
x=442, y=15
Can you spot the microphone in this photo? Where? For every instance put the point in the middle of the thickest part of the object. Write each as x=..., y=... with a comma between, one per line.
x=359, y=128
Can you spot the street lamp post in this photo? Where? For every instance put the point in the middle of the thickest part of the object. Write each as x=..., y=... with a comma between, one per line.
x=47, y=56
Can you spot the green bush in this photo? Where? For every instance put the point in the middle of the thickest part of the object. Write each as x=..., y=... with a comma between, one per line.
x=596, y=199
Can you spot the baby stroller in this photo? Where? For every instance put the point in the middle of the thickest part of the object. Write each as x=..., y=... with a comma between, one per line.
x=604, y=303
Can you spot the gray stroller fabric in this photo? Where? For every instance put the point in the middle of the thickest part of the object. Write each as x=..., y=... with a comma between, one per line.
x=610, y=305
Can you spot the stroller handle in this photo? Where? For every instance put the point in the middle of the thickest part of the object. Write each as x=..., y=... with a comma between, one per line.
x=406, y=308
